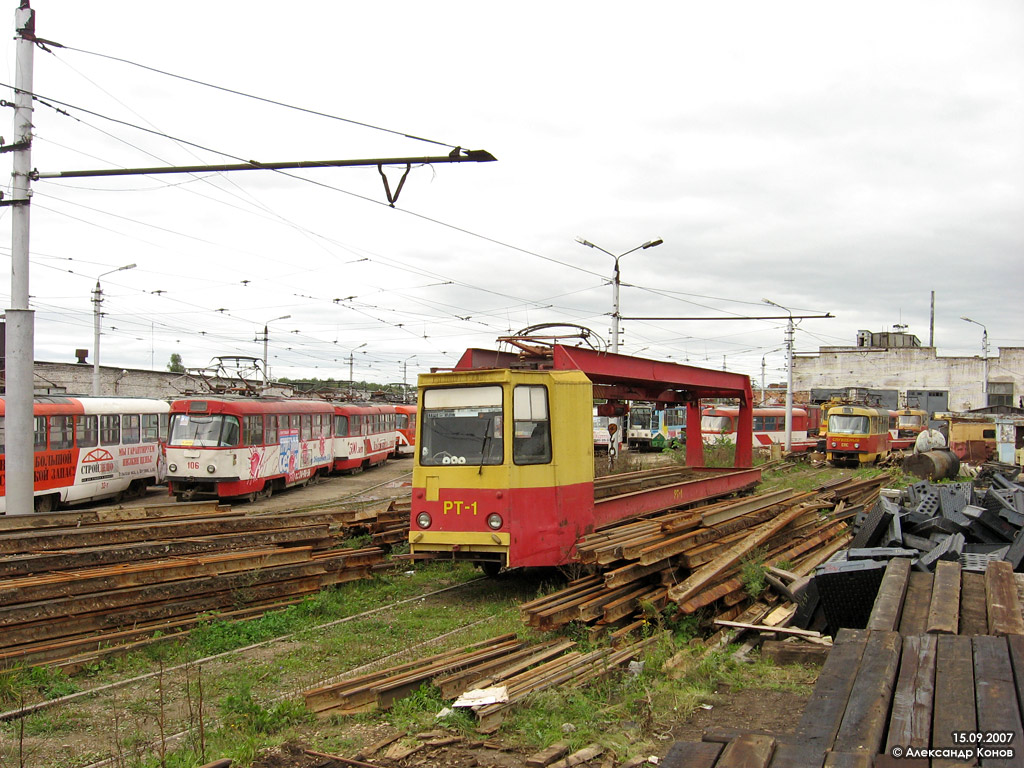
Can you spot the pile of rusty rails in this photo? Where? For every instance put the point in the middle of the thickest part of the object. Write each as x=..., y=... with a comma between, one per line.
x=695, y=557
x=78, y=586
x=505, y=664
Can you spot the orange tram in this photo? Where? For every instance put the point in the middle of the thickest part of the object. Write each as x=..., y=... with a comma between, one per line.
x=504, y=472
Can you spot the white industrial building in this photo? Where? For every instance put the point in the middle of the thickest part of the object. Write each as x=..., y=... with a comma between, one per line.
x=897, y=361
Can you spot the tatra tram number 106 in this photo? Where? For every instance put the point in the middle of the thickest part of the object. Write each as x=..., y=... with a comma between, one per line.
x=230, y=448
x=859, y=434
x=504, y=472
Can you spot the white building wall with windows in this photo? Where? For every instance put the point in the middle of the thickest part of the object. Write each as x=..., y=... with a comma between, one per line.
x=904, y=368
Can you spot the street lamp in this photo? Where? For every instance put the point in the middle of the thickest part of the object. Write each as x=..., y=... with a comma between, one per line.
x=405, y=385
x=616, y=281
x=984, y=353
x=97, y=300
x=789, y=373
x=266, y=337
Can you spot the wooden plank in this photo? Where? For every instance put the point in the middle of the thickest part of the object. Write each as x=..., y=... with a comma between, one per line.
x=973, y=611
x=888, y=606
x=795, y=631
x=1004, y=612
x=953, y=708
x=823, y=713
x=996, y=692
x=749, y=750
x=781, y=652
x=547, y=756
x=910, y=724
x=864, y=721
x=848, y=760
x=916, y=604
x=944, y=609
x=691, y=754
x=797, y=755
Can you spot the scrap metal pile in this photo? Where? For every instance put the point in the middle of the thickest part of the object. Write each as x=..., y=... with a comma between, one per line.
x=969, y=523
x=75, y=586
x=695, y=558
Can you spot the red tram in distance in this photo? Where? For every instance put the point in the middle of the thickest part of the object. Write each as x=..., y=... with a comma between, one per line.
x=405, y=426
x=365, y=435
x=89, y=448
x=227, y=448
x=719, y=423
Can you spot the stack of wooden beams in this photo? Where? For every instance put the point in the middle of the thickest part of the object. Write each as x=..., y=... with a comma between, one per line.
x=519, y=667
x=74, y=583
x=694, y=557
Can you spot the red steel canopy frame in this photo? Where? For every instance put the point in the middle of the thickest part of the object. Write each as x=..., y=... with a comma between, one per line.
x=621, y=377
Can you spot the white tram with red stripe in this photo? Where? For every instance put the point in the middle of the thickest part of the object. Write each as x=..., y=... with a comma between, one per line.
x=718, y=424
x=223, y=448
x=365, y=435
x=89, y=448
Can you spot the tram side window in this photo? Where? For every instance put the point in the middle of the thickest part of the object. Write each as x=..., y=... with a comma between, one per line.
x=270, y=435
x=532, y=441
x=402, y=421
x=85, y=431
x=341, y=425
x=62, y=432
x=252, y=430
x=3, y=435
x=39, y=433
x=151, y=427
x=306, y=431
x=356, y=425
x=110, y=429
x=132, y=431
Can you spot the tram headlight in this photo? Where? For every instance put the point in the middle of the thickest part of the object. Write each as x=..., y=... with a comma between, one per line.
x=211, y=468
x=423, y=519
x=172, y=467
x=494, y=521
x=834, y=443
x=856, y=445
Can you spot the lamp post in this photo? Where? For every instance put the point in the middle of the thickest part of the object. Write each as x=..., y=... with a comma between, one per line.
x=984, y=357
x=97, y=300
x=266, y=340
x=789, y=373
x=616, y=281
x=405, y=384
x=351, y=359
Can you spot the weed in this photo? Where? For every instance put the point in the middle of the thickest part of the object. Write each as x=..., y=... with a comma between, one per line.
x=752, y=572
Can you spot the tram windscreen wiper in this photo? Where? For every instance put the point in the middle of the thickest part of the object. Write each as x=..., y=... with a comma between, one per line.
x=483, y=446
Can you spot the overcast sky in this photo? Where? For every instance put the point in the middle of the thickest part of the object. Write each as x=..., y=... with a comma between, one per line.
x=843, y=158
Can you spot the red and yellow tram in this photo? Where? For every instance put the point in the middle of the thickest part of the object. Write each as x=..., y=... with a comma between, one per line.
x=504, y=472
x=859, y=434
x=89, y=448
x=405, y=426
x=911, y=422
x=225, y=448
x=365, y=435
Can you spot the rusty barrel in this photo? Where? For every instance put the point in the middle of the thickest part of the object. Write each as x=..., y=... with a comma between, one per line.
x=938, y=464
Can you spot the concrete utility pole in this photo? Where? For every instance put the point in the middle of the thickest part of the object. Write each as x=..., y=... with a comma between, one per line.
x=789, y=373
x=351, y=362
x=20, y=457
x=266, y=339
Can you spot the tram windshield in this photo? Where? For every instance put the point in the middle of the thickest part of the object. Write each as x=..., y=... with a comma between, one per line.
x=462, y=425
x=203, y=430
x=642, y=418
x=716, y=424
x=910, y=420
x=839, y=424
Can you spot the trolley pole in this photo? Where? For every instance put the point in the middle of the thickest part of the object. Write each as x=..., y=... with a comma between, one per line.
x=19, y=330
